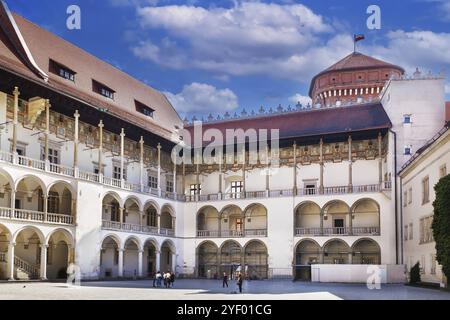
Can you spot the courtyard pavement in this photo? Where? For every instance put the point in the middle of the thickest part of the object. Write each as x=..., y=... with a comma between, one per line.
x=212, y=290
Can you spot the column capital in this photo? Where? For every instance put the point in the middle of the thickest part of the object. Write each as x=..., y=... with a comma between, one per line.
x=158, y=146
x=12, y=244
x=122, y=132
x=141, y=141
x=76, y=114
x=16, y=91
x=141, y=251
x=47, y=103
x=44, y=246
x=100, y=124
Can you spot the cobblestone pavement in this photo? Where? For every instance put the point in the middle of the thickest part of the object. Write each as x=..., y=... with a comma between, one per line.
x=212, y=290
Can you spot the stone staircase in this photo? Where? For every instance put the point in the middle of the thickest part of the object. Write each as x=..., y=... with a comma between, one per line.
x=25, y=270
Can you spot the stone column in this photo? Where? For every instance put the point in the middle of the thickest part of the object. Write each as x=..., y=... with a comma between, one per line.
x=174, y=262
x=122, y=155
x=45, y=207
x=220, y=178
x=140, y=253
x=75, y=141
x=10, y=261
x=120, y=266
x=175, y=181
x=243, y=171
x=16, y=94
x=350, y=165
x=321, y=187
x=380, y=160
x=43, y=269
x=159, y=168
x=47, y=133
x=350, y=223
x=100, y=149
x=121, y=214
x=183, y=179
x=141, y=218
x=158, y=260
x=13, y=199
x=295, y=168
x=197, y=182
x=141, y=163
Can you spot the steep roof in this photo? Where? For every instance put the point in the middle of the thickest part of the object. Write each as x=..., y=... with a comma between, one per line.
x=42, y=46
x=320, y=122
x=355, y=61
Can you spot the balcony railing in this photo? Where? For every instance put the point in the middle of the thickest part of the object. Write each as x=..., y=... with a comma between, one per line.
x=135, y=228
x=28, y=215
x=232, y=233
x=345, y=231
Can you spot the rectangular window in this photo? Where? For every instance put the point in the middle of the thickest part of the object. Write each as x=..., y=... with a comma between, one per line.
x=153, y=182
x=145, y=110
x=407, y=119
x=117, y=175
x=410, y=195
x=405, y=236
x=443, y=171
x=425, y=190
x=169, y=185
x=408, y=150
x=411, y=231
x=433, y=264
x=195, y=189
x=422, y=265
x=53, y=155
x=61, y=70
x=103, y=90
x=310, y=188
x=236, y=188
x=405, y=198
x=422, y=231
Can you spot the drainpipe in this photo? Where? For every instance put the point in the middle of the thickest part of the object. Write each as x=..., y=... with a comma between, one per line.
x=402, y=256
x=395, y=196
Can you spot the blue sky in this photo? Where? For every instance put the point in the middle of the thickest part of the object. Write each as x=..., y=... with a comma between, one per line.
x=217, y=56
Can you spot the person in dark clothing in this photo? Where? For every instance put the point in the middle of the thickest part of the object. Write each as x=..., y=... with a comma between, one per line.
x=225, y=280
x=172, y=279
x=239, y=282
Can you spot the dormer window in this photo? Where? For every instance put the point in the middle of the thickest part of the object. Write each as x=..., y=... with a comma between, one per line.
x=103, y=90
x=61, y=70
x=145, y=110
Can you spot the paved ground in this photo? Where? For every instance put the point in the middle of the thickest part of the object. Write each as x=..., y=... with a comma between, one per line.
x=212, y=290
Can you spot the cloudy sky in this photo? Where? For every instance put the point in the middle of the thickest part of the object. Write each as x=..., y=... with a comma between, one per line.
x=227, y=55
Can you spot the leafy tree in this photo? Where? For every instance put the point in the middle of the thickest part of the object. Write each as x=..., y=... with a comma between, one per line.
x=414, y=274
x=441, y=224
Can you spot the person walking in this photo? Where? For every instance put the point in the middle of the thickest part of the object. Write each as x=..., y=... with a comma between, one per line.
x=225, y=280
x=239, y=282
x=158, y=279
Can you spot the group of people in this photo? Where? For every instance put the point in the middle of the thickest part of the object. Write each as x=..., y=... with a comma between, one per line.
x=167, y=278
x=239, y=281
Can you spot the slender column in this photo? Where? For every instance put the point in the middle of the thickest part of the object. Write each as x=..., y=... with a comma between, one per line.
x=158, y=260
x=321, y=167
x=120, y=266
x=76, y=140
x=43, y=270
x=13, y=199
x=321, y=222
x=243, y=171
x=350, y=223
x=295, y=168
x=175, y=180
x=10, y=261
x=45, y=207
x=220, y=177
x=122, y=146
x=100, y=148
x=183, y=179
x=141, y=218
x=197, y=181
x=47, y=132
x=380, y=160
x=267, y=171
x=141, y=163
x=140, y=253
x=121, y=214
x=350, y=165
x=159, y=168
x=16, y=94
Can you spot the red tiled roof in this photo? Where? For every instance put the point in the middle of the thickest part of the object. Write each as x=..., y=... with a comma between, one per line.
x=447, y=111
x=320, y=122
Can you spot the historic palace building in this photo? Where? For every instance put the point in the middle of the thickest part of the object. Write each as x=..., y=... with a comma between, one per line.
x=86, y=174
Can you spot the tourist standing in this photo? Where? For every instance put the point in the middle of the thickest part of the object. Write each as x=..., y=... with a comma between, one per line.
x=158, y=279
x=225, y=280
x=239, y=282
x=172, y=279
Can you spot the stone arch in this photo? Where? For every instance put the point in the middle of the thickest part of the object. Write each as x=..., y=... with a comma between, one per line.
x=366, y=251
x=167, y=217
x=136, y=200
x=60, y=197
x=232, y=221
x=307, y=217
x=7, y=189
x=59, y=253
x=111, y=207
x=336, y=217
x=256, y=260
x=168, y=253
x=38, y=232
x=336, y=251
x=207, y=260
x=208, y=220
x=30, y=193
x=366, y=217
x=109, y=256
x=231, y=258
x=30, y=248
x=150, y=250
x=132, y=210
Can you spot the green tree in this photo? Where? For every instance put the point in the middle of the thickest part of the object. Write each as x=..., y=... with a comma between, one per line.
x=414, y=274
x=441, y=224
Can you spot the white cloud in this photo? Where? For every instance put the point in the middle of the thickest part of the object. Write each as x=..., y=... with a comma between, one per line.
x=296, y=98
x=249, y=38
x=203, y=98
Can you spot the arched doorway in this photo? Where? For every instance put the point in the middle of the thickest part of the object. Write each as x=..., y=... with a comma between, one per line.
x=256, y=260
x=149, y=258
x=5, y=236
x=131, y=258
x=366, y=251
x=29, y=251
x=336, y=252
x=59, y=254
x=167, y=256
x=230, y=258
x=109, y=257
x=307, y=253
x=207, y=260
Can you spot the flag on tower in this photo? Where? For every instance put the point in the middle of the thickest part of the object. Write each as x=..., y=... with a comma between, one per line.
x=356, y=38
